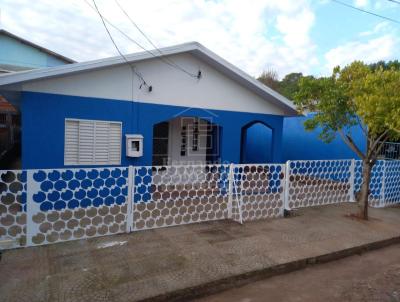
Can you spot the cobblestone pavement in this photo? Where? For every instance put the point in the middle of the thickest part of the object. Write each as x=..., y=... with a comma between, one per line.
x=373, y=276
x=131, y=267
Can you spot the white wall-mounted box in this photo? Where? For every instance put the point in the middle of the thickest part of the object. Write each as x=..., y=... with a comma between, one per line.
x=134, y=145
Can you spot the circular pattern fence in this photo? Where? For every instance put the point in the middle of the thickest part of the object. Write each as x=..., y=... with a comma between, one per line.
x=77, y=203
x=13, y=206
x=174, y=195
x=319, y=182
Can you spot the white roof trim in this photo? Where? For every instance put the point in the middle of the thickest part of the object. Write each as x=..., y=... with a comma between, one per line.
x=195, y=48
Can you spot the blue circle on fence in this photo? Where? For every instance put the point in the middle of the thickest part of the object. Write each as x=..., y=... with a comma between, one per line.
x=105, y=174
x=116, y=191
x=22, y=176
x=67, y=195
x=73, y=204
x=104, y=192
x=110, y=182
x=60, y=184
x=67, y=175
x=23, y=197
x=73, y=184
x=53, y=196
x=46, y=206
x=120, y=199
x=80, y=194
x=98, y=201
x=54, y=175
x=92, y=193
x=81, y=174
x=86, y=183
x=59, y=205
x=46, y=185
x=116, y=173
x=39, y=197
x=98, y=183
x=125, y=191
x=125, y=173
x=93, y=174
x=39, y=176
x=121, y=181
x=86, y=202
x=109, y=200
x=146, y=197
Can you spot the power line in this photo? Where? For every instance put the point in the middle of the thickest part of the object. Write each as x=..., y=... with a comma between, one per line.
x=367, y=12
x=116, y=46
x=139, y=45
x=394, y=1
x=170, y=62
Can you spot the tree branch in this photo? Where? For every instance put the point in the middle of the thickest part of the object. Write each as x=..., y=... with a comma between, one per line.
x=349, y=141
x=380, y=137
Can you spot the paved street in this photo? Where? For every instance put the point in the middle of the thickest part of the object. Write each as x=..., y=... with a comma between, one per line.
x=180, y=262
x=373, y=276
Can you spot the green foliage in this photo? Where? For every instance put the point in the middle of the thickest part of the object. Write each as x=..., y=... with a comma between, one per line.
x=356, y=94
x=289, y=85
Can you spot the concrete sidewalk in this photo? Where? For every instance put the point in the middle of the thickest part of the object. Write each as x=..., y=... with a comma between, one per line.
x=181, y=262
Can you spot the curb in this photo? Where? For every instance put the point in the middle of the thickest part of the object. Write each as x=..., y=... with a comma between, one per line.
x=217, y=286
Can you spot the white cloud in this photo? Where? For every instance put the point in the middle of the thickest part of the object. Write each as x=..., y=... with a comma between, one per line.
x=382, y=48
x=379, y=28
x=361, y=3
x=253, y=35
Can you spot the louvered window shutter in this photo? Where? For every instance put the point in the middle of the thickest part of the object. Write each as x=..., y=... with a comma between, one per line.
x=92, y=142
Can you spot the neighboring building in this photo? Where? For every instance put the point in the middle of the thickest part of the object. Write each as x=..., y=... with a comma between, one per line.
x=18, y=54
x=80, y=114
x=9, y=126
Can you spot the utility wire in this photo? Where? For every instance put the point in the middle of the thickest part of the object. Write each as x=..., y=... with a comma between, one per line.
x=116, y=46
x=169, y=61
x=367, y=12
x=135, y=42
x=394, y=1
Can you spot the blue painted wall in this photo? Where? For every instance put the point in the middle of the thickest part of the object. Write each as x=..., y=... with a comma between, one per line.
x=257, y=144
x=43, y=118
x=14, y=52
x=298, y=144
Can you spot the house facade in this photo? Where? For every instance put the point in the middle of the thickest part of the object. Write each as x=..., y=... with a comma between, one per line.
x=187, y=105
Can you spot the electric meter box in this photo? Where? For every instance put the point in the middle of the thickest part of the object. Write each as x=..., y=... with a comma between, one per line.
x=134, y=145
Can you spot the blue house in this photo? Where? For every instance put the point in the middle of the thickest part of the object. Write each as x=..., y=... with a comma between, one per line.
x=18, y=54
x=184, y=105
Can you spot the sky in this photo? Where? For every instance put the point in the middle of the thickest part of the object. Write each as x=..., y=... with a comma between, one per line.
x=308, y=36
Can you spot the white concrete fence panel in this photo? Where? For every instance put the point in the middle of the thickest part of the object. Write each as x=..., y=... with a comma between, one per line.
x=54, y=205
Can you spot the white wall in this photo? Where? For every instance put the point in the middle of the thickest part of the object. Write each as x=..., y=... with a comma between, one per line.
x=170, y=86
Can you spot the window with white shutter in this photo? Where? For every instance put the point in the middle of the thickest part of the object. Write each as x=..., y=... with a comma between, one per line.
x=90, y=142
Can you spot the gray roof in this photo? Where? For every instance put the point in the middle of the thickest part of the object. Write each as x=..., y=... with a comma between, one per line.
x=194, y=48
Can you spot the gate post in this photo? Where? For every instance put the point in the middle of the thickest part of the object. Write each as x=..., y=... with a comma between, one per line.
x=352, y=180
x=286, y=187
x=382, y=197
x=29, y=210
x=230, y=190
x=130, y=198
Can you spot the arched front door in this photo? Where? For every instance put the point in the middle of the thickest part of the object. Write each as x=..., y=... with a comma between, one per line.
x=256, y=146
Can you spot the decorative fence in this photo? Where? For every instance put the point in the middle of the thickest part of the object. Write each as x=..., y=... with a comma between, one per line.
x=47, y=206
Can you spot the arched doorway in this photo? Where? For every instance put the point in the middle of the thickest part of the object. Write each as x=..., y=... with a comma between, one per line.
x=256, y=145
x=186, y=140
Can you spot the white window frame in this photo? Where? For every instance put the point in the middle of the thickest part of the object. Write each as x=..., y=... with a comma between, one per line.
x=93, y=163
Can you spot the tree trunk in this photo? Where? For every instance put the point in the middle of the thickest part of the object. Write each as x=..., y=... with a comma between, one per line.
x=364, y=193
